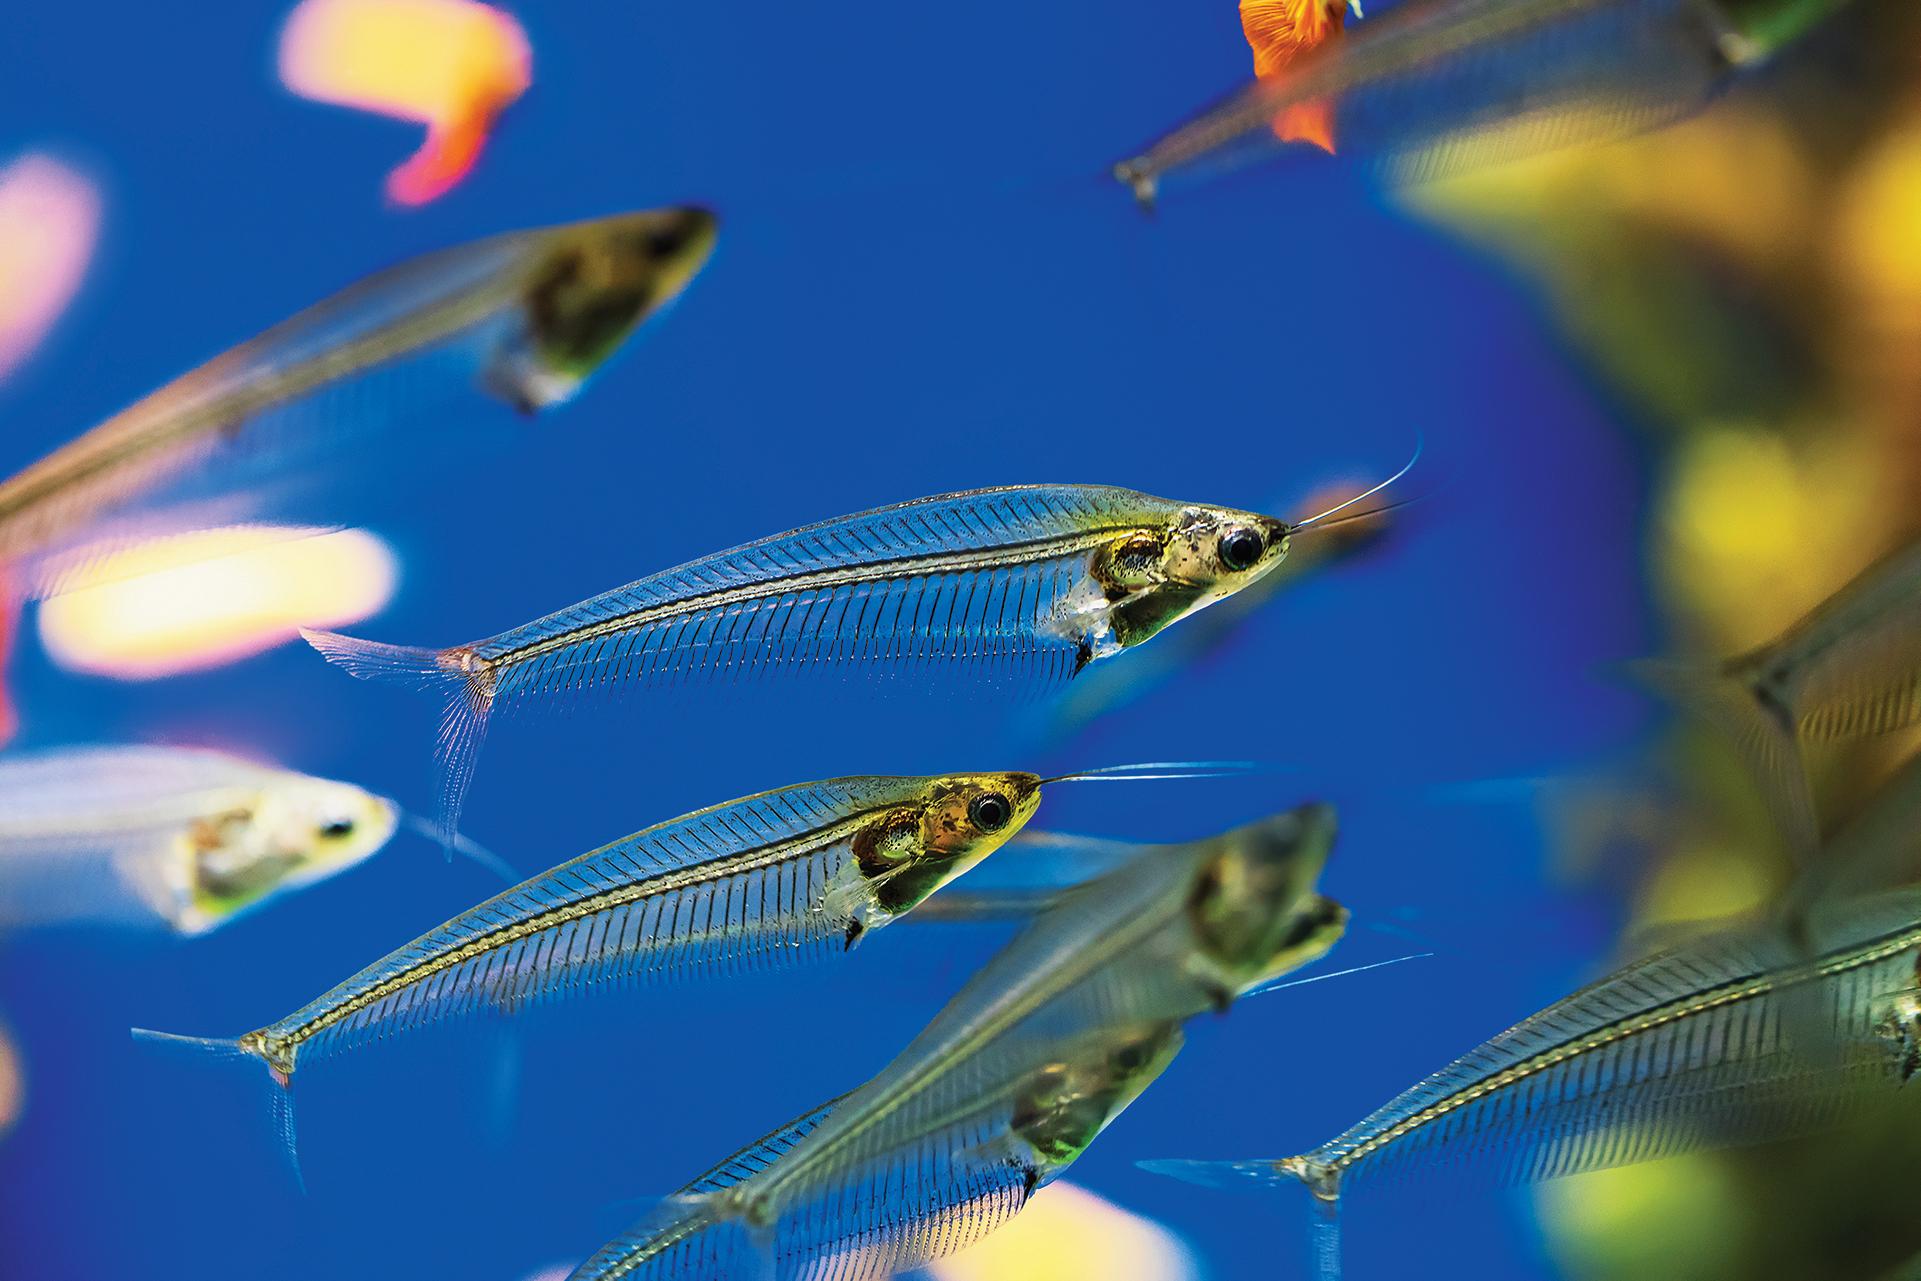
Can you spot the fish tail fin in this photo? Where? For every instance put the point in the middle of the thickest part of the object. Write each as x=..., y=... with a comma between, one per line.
x=1762, y=732
x=465, y=682
x=249, y=1047
x=1310, y=122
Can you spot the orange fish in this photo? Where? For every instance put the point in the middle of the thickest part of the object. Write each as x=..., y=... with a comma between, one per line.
x=1279, y=31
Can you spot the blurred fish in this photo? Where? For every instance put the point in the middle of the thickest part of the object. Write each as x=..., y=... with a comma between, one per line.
x=1013, y=1079
x=193, y=838
x=538, y=310
x=1438, y=87
x=1850, y=669
x=1686, y=1049
x=766, y=880
x=1280, y=31
x=1043, y=579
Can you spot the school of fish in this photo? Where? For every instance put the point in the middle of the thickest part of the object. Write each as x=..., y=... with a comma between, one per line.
x=1746, y=1032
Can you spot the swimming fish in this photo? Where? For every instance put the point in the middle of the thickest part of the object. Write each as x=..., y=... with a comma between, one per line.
x=1279, y=31
x=1012, y=1080
x=1850, y=669
x=539, y=310
x=768, y=879
x=188, y=837
x=1437, y=87
x=1692, y=1047
x=1047, y=577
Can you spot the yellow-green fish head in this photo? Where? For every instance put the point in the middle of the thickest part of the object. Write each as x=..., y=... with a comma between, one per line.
x=950, y=823
x=1065, y=1105
x=598, y=282
x=292, y=833
x=1254, y=909
x=1156, y=576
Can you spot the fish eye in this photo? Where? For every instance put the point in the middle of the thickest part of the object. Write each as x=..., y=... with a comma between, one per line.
x=666, y=242
x=990, y=811
x=1241, y=548
x=336, y=829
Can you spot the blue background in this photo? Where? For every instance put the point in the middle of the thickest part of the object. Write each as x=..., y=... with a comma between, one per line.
x=924, y=283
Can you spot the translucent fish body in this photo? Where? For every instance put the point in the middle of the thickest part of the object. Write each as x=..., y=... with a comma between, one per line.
x=760, y=881
x=1435, y=87
x=1731, y=1040
x=1006, y=1087
x=533, y=311
x=1039, y=579
x=120, y=834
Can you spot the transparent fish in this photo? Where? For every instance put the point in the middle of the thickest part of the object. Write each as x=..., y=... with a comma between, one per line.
x=534, y=311
x=1012, y=1081
x=188, y=837
x=765, y=880
x=1698, y=1046
x=1040, y=579
x=1437, y=87
x=1850, y=669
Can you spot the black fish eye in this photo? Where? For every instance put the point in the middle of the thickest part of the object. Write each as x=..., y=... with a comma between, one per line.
x=334, y=829
x=1242, y=548
x=990, y=811
x=666, y=243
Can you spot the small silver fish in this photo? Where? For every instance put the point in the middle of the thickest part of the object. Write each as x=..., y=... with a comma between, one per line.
x=538, y=310
x=1434, y=88
x=1698, y=1046
x=1047, y=577
x=765, y=880
x=192, y=838
x=1012, y=1081
x=1850, y=669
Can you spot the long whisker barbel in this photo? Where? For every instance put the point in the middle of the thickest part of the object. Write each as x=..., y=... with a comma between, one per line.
x=465, y=846
x=1311, y=521
x=1140, y=771
x=1336, y=974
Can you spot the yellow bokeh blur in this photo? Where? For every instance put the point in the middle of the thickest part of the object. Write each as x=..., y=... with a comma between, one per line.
x=1067, y=1233
x=49, y=220
x=204, y=599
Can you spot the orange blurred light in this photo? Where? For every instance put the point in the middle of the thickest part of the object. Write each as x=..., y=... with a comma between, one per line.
x=1279, y=31
x=13, y=1083
x=452, y=65
x=1066, y=1232
x=200, y=600
x=49, y=219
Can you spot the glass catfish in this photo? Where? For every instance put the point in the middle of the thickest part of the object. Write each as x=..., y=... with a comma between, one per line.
x=193, y=838
x=1740, y=1036
x=768, y=880
x=1043, y=578
x=1013, y=1079
x=1439, y=86
x=537, y=311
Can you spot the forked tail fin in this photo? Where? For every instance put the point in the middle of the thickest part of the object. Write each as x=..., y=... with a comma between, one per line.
x=1763, y=735
x=465, y=684
x=250, y=1046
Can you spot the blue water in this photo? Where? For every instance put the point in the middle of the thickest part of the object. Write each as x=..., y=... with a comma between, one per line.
x=923, y=284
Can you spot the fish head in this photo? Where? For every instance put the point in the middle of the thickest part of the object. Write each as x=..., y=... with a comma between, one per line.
x=599, y=281
x=294, y=832
x=1065, y=1104
x=1254, y=909
x=949, y=823
x=1156, y=575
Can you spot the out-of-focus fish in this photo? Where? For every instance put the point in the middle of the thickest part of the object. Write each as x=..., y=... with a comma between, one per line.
x=764, y=880
x=1693, y=1047
x=1437, y=87
x=1850, y=669
x=191, y=837
x=1012, y=1080
x=538, y=311
x=1280, y=31
x=1043, y=579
